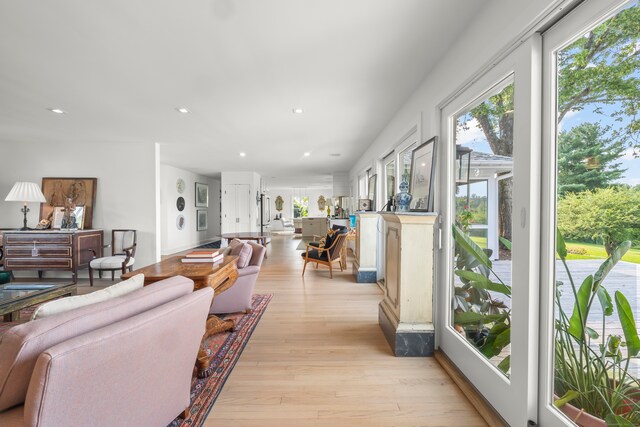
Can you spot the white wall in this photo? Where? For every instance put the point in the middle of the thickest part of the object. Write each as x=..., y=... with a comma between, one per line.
x=125, y=194
x=497, y=27
x=174, y=240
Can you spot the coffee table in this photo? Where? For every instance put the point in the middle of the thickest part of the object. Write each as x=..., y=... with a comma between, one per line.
x=261, y=238
x=220, y=276
x=18, y=295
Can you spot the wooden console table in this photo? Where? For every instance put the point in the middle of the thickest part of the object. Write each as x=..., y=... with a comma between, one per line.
x=51, y=250
x=219, y=276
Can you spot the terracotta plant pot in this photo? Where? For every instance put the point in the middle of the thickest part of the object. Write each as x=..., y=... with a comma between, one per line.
x=582, y=418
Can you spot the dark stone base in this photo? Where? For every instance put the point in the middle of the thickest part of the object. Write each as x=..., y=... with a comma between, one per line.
x=364, y=276
x=406, y=343
x=367, y=276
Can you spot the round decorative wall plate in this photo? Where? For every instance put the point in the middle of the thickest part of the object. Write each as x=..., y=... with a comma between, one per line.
x=180, y=222
x=180, y=203
x=180, y=185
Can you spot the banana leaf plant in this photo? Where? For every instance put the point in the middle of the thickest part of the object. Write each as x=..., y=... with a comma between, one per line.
x=478, y=310
x=592, y=367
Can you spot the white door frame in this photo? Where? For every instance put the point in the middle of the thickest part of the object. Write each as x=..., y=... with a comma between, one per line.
x=576, y=23
x=514, y=398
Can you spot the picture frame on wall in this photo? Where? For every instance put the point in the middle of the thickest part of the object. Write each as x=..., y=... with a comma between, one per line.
x=202, y=195
x=372, y=191
x=202, y=220
x=422, y=173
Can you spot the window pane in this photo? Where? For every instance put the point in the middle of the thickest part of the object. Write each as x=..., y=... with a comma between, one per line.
x=598, y=216
x=484, y=146
x=300, y=207
x=390, y=180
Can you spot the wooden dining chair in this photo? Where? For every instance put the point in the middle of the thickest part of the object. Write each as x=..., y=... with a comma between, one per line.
x=325, y=256
x=123, y=249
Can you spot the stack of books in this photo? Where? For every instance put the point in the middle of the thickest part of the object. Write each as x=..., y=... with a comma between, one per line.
x=203, y=256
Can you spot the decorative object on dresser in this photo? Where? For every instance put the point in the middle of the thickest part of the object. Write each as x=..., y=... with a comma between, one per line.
x=201, y=220
x=123, y=249
x=364, y=204
x=58, y=191
x=51, y=250
x=202, y=195
x=25, y=192
x=422, y=171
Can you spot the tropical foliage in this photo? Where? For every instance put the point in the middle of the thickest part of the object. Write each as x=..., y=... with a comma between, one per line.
x=592, y=367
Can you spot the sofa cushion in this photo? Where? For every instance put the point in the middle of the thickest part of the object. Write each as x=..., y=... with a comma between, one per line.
x=242, y=250
x=69, y=303
x=22, y=344
x=111, y=262
x=257, y=254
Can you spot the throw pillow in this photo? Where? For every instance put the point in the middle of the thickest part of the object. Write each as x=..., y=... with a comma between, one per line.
x=63, y=305
x=327, y=241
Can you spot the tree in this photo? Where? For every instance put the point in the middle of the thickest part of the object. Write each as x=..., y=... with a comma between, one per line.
x=611, y=215
x=587, y=159
x=598, y=69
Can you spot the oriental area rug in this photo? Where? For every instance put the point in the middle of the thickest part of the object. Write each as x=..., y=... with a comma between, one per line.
x=225, y=350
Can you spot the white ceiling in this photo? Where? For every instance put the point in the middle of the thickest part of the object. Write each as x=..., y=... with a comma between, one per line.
x=121, y=67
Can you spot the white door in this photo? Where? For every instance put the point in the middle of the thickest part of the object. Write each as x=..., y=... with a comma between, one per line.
x=229, y=209
x=244, y=208
x=590, y=83
x=487, y=317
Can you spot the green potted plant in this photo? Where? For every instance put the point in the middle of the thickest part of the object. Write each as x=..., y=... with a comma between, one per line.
x=593, y=384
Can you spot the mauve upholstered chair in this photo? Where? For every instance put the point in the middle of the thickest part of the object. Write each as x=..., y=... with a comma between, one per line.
x=238, y=297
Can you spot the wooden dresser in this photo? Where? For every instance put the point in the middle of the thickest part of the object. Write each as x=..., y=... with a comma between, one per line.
x=51, y=250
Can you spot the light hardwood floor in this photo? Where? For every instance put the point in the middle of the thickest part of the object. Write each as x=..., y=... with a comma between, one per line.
x=318, y=358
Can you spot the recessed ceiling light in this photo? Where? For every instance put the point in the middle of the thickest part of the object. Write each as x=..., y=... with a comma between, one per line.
x=335, y=154
x=298, y=111
x=183, y=110
x=243, y=154
x=307, y=154
x=56, y=110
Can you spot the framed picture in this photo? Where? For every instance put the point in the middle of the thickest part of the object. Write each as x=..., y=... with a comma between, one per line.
x=422, y=171
x=58, y=214
x=81, y=191
x=202, y=195
x=201, y=220
x=76, y=219
x=180, y=222
x=372, y=191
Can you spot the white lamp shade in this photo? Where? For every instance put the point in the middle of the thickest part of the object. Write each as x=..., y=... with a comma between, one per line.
x=25, y=192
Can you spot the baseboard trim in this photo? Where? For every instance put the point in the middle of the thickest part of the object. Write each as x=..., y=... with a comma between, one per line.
x=484, y=408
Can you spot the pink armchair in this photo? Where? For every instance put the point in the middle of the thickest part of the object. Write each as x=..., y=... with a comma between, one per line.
x=238, y=297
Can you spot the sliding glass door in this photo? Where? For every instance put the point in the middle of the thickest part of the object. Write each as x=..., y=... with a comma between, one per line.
x=591, y=222
x=490, y=202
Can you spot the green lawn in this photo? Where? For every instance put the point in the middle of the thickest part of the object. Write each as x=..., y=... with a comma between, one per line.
x=595, y=251
x=480, y=241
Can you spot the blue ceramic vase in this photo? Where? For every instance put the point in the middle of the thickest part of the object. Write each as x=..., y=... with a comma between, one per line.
x=403, y=198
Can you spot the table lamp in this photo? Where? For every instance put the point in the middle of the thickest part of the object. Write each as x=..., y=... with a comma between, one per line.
x=25, y=192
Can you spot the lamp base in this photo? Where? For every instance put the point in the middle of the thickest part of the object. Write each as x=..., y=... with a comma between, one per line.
x=25, y=229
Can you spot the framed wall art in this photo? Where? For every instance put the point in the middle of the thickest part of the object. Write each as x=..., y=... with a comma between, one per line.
x=372, y=191
x=57, y=191
x=202, y=220
x=422, y=171
x=202, y=195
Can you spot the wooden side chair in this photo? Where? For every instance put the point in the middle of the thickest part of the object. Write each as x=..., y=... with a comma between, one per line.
x=123, y=249
x=325, y=256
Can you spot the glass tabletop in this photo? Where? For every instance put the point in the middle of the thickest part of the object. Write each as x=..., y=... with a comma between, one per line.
x=16, y=291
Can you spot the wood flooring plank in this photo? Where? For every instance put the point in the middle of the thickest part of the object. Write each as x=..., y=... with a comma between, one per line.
x=319, y=358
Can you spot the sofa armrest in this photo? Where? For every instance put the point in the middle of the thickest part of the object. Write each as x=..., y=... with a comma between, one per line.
x=139, y=369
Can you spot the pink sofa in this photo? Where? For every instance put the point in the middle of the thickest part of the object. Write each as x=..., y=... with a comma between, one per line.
x=125, y=361
x=238, y=297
